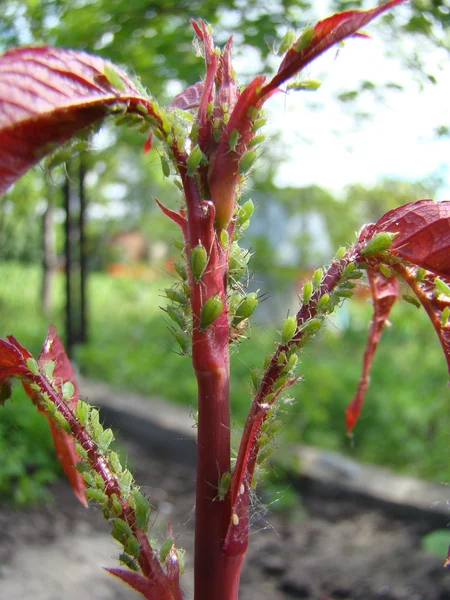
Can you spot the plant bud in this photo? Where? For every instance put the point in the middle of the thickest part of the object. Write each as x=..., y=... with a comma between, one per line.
x=198, y=260
x=380, y=242
x=210, y=311
x=194, y=159
x=289, y=329
x=245, y=212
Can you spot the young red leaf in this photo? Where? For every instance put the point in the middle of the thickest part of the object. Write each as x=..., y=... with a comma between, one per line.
x=423, y=234
x=436, y=304
x=324, y=35
x=47, y=96
x=384, y=294
x=188, y=99
x=150, y=589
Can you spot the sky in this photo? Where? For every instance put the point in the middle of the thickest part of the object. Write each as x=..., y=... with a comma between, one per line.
x=324, y=143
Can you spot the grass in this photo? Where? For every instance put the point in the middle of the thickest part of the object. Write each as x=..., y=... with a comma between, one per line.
x=405, y=422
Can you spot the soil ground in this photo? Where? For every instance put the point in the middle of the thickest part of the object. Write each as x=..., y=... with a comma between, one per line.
x=345, y=547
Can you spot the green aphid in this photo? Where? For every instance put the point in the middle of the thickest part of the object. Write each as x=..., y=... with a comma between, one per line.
x=142, y=509
x=194, y=159
x=121, y=531
x=68, y=390
x=445, y=316
x=234, y=139
x=256, y=378
x=194, y=133
x=255, y=140
x=421, y=272
x=348, y=270
x=116, y=507
x=182, y=339
x=247, y=161
x=105, y=439
x=441, y=287
x=82, y=412
x=252, y=112
x=286, y=42
x=177, y=316
x=165, y=548
x=259, y=123
x=165, y=166
x=304, y=40
x=210, y=109
x=97, y=495
x=281, y=360
x=61, y=422
x=128, y=562
x=180, y=268
x=32, y=366
x=317, y=278
x=180, y=554
x=211, y=310
x=280, y=383
x=323, y=302
x=141, y=108
x=264, y=454
x=113, y=77
x=344, y=294
x=386, y=271
x=308, y=85
x=312, y=326
x=411, y=300
x=89, y=479
x=48, y=368
x=198, y=260
x=341, y=252
x=125, y=482
x=223, y=485
x=307, y=292
x=131, y=546
x=291, y=363
x=246, y=308
x=115, y=463
x=379, y=243
x=289, y=329
x=245, y=212
x=224, y=238
x=176, y=296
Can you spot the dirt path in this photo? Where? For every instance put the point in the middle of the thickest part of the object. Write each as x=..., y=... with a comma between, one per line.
x=348, y=546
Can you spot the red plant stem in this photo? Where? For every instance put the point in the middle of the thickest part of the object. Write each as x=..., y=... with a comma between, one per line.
x=148, y=560
x=216, y=575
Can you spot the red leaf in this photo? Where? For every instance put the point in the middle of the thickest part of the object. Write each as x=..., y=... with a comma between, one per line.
x=150, y=589
x=13, y=358
x=188, y=99
x=53, y=350
x=326, y=33
x=423, y=234
x=434, y=303
x=47, y=96
x=384, y=294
